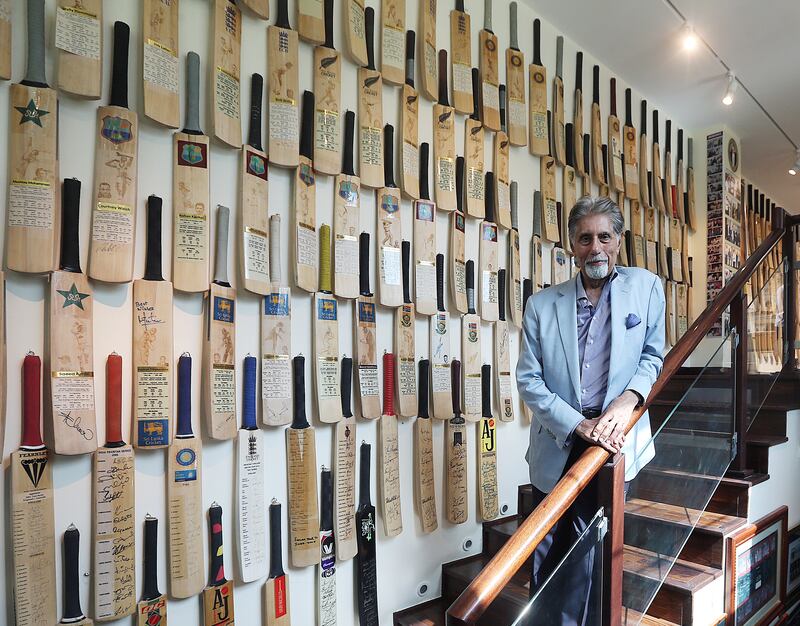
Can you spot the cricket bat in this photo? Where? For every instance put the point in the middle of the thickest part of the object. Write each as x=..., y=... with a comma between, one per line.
x=616, y=160
x=79, y=41
x=455, y=456
x=3, y=365
x=70, y=423
x=680, y=209
x=346, y=212
x=390, y=228
x=560, y=260
x=116, y=162
x=304, y=229
x=405, y=342
x=487, y=451
x=160, y=62
x=527, y=292
x=598, y=170
x=644, y=183
x=366, y=337
x=691, y=213
x=557, y=129
x=71, y=610
x=310, y=21
x=354, y=16
x=444, y=143
x=114, y=510
x=393, y=41
x=301, y=464
x=33, y=222
x=474, y=152
x=218, y=594
x=424, y=482
x=630, y=170
x=538, y=142
x=251, y=518
x=668, y=204
x=283, y=88
x=658, y=190
x=259, y=7
x=501, y=174
x=32, y=514
x=639, y=248
x=490, y=75
x=370, y=111
x=569, y=193
x=366, y=567
x=547, y=181
x=276, y=339
x=577, y=118
x=461, y=57
x=254, y=201
x=502, y=356
x=488, y=255
x=326, y=337
x=219, y=371
x=471, y=350
x=440, y=354
x=190, y=192
x=389, y=455
x=185, y=495
x=515, y=80
x=226, y=73
x=344, y=471
x=328, y=101
x=152, y=341
x=276, y=591
x=409, y=126
x=326, y=570
x=6, y=16
x=587, y=181
x=516, y=304
x=458, y=286
x=537, y=268
x=152, y=608
x=427, y=18
x=424, y=242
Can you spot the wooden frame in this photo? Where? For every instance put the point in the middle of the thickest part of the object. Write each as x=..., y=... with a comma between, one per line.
x=793, y=561
x=764, y=541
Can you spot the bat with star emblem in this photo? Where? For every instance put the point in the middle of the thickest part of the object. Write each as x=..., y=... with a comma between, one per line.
x=344, y=474
x=393, y=28
x=502, y=355
x=455, y=455
x=370, y=112
x=160, y=67
x=405, y=341
x=328, y=101
x=366, y=337
x=79, y=42
x=471, y=350
x=440, y=348
x=389, y=455
x=515, y=80
x=225, y=73
x=218, y=607
x=474, y=153
x=461, y=57
x=283, y=88
x=488, y=62
x=538, y=142
x=70, y=423
x=444, y=143
x=424, y=481
x=326, y=337
x=390, y=228
x=33, y=219
x=487, y=451
x=458, y=288
x=71, y=610
x=152, y=608
x=32, y=515
x=366, y=529
x=409, y=126
x=326, y=570
x=276, y=590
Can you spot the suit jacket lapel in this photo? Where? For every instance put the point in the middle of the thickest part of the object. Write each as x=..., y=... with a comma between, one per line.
x=619, y=301
x=566, y=314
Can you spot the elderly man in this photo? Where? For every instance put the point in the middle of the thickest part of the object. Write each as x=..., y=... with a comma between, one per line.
x=593, y=351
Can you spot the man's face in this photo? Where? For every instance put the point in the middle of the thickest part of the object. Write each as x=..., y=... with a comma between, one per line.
x=596, y=246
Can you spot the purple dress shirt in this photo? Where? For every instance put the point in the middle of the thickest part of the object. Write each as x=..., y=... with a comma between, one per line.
x=594, y=343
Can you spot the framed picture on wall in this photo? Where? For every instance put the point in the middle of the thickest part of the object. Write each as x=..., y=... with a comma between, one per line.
x=756, y=569
x=793, y=561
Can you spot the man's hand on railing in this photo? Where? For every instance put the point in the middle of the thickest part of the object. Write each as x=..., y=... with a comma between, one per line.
x=586, y=430
x=612, y=422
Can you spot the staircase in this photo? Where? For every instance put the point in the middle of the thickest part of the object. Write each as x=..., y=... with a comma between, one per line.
x=656, y=512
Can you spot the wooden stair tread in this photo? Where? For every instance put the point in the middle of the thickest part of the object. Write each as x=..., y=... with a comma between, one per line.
x=683, y=575
x=429, y=613
x=766, y=440
x=711, y=523
x=465, y=570
x=631, y=617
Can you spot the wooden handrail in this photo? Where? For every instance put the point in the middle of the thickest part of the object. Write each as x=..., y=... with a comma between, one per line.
x=485, y=587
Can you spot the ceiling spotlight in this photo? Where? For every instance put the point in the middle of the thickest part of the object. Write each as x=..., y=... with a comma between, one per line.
x=688, y=37
x=727, y=99
x=796, y=167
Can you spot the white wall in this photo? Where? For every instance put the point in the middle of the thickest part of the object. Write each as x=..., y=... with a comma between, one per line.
x=403, y=562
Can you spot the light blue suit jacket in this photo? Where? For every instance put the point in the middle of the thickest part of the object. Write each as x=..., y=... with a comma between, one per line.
x=548, y=372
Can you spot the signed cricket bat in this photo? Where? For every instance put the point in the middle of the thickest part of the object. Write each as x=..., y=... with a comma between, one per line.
x=276, y=339
x=160, y=62
x=370, y=111
x=598, y=171
x=33, y=222
x=283, y=88
x=488, y=255
x=424, y=242
x=489, y=66
x=471, y=351
x=328, y=101
x=616, y=159
x=502, y=355
x=680, y=209
x=630, y=169
x=658, y=189
x=389, y=455
x=366, y=337
x=405, y=342
x=219, y=371
x=461, y=57
x=152, y=341
x=32, y=515
x=6, y=16
x=455, y=455
x=310, y=21
x=527, y=292
x=569, y=192
x=71, y=610
x=326, y=570
x=346, y=212
x=366, y=566
x=353, y=13
x=424, y=481
x=70, y=423
x=344, y=471
x=79, y=41
x=538, y=142
x=440, y=354
x=537, y=271
x=668, y=203
x=458, y=287
x=190, y=192
x=474, y=153
x=152, y=608
x=276, y=590
x=326, y=337
x=644, y=184
x=390, y=228
x=557, y=129
x=691, y=213
x=114, y=510
x=301, y=474
x=259, y=7
x=515, y=81
x=251, y=518
x=501, y=171
x=577, y=119
x=427, y=19
x=444, y=143
x=218, y=594
x=547, y=181
x=487, y=451
x=226, y=73
x=3, y=363
x=409, y=126
x=515, y=270
x=185, y=496
x=305, y=249
x=393, y=38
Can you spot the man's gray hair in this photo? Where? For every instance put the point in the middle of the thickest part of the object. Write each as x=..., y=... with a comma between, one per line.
x=602, y=205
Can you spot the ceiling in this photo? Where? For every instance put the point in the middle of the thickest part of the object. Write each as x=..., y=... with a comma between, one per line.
x=640, y=40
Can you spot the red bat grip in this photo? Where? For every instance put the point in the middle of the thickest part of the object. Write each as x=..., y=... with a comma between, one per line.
x=113, y=399
x=388, y=383
x=31, y=401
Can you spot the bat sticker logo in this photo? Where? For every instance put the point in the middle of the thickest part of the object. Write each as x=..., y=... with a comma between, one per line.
x=472, y=332
x=424, y=212
x=371, y=81
x=460, y=222
x=490, y=45
x=191, y=154
x=488, y=435
x=31, y=113
x=327, y=310
x=223, y=309
x=441, y=324
x=444, y=117
x=366, y=312
x=538, y=77
x=34, y=468
x=116, y=129
x=307, y=175
x=367, y=527
x=348, y=191
x=389, y=204
x=276, y=304
x=411, y=100
x=256, y=165
x=516, y=61
x=405, y=318
x=252, y=446
x=328, y=61
x=73, y=297
x=489, y=232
